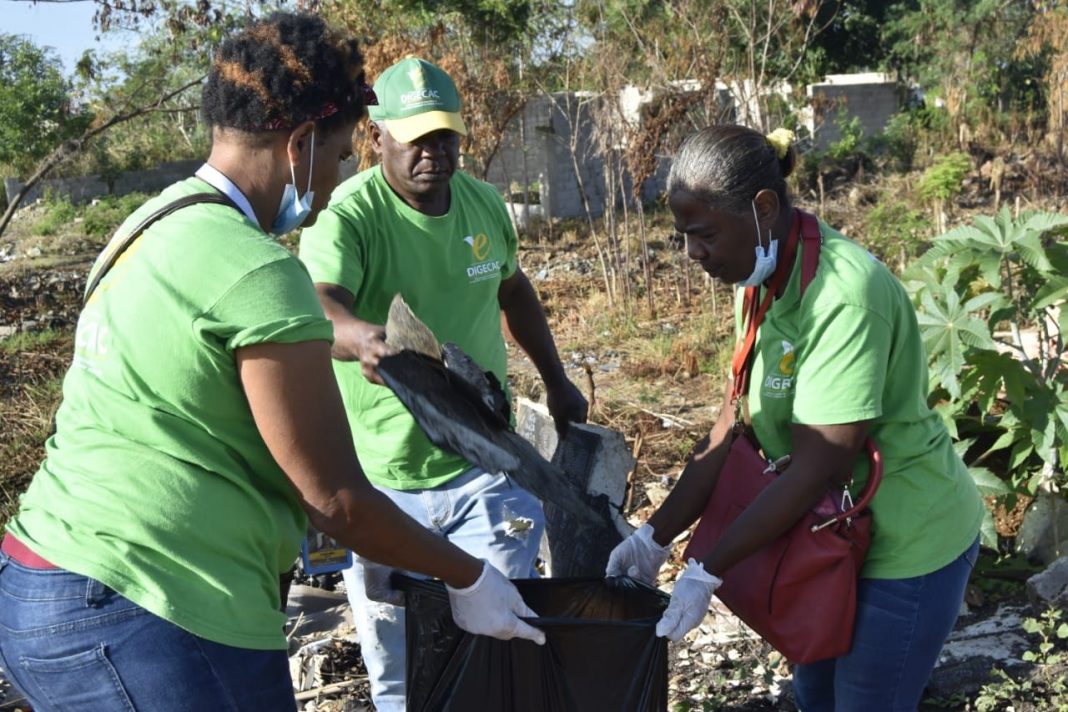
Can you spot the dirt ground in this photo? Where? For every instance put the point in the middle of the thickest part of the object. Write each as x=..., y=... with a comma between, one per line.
x=651, y=368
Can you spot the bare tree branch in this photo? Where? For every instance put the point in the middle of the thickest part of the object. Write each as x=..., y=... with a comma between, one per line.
x=73, y=146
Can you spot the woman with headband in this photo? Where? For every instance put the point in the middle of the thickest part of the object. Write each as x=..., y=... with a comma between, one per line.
x=834, y=362
x=201, y=427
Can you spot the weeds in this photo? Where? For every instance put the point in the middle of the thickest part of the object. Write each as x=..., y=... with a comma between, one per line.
x=893, y=229
x=59, y=214
x=1046, y=686
x=103, y=216
x=30, y=341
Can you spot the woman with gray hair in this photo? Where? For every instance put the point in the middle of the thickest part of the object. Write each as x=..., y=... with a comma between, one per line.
x=835, y=361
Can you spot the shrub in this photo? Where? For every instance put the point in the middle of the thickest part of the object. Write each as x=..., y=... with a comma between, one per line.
x=945, y=178
x=976, y=289
x=58, y=213
x=893, y=229
x=106, y=214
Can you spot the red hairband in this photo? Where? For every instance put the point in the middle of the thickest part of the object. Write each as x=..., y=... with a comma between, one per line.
x=329, y=109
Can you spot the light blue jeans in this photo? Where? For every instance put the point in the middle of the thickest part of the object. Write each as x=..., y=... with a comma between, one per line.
x=488, y=516
x=900, y=627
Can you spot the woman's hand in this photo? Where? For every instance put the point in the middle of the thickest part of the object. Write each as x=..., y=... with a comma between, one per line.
x=689, y=601
x=492, y=606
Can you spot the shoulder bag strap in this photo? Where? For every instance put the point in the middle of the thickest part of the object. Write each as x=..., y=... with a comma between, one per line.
x=118, y=246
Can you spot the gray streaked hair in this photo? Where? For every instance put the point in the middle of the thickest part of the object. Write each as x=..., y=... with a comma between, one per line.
x=727, y=165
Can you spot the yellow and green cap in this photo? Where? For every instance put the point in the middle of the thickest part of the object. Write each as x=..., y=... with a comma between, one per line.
x=414, y=98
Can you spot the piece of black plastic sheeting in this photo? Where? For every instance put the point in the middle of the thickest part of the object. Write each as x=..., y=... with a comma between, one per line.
x=601, y=651
x=455, y=415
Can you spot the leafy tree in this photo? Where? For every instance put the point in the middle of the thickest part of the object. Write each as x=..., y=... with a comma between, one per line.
x=966, y=50
x=138, y=76
x=36, y=112
x=851, y=40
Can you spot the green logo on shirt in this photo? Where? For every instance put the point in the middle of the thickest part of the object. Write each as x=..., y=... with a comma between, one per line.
x=482, y=269
x=779, y=383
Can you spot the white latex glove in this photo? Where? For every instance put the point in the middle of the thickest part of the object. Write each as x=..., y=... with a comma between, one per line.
x=377, y=586
x=689, y=601
x=638, y=556
x=492, y=606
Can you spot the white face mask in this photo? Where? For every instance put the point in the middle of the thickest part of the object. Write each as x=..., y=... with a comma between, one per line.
x=766, y=258
x=293, y=211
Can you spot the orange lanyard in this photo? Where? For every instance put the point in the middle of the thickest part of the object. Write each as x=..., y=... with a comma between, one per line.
x=754, y=313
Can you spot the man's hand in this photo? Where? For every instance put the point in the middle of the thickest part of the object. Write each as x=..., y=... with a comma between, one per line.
x=354, y=339
x=369, y=341
x=638, y=556
x=566, y=404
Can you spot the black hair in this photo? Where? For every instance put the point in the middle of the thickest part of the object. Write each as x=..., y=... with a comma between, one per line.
x=727, y=165
x=281, y=71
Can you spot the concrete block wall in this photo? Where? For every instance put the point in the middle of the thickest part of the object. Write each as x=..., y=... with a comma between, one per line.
x=548, y=122
x=873, y=98
x=84, y=188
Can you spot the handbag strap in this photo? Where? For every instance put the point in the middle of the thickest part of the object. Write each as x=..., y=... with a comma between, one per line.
x=807, y=227
x=875, y=478
x=117, y=247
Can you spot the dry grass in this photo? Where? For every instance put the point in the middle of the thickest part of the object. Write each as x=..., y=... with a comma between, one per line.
x=30, y=389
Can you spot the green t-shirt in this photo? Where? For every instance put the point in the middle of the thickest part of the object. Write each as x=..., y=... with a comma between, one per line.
x=849, y=349
x=157, y=482
x=447, y=268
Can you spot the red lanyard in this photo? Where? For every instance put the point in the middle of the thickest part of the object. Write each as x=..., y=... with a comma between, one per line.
x=754, y=314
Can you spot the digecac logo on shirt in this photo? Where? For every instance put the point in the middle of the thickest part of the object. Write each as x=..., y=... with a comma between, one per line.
x=779, y=381
x=481, y=268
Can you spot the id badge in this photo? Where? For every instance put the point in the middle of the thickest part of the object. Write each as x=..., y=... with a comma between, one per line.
x=321, y=554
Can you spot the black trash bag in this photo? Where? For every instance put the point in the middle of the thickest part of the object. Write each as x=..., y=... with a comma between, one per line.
x=466, y=418
x=601, y=651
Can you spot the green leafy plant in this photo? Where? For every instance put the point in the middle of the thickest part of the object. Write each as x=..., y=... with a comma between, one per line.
x=942, y=181
x=849, y=142
x=58, y=214
x=978, y=290
x=893, y=228
x=1046, y=685
x=106, y=214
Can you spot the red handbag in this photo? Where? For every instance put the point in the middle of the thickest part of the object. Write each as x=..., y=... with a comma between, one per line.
x=799, y=592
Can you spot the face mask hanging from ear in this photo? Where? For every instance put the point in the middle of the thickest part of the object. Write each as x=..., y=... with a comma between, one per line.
x=766, y=258
x=293, y=211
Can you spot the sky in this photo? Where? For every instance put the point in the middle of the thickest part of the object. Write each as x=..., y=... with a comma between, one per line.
x=67, y=27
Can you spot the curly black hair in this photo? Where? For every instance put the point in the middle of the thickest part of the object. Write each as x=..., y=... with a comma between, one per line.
x=284, y=70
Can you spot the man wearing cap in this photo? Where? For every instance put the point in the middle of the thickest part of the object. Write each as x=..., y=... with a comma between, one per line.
x=413, y=225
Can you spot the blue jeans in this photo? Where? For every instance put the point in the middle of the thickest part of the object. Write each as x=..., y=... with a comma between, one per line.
x=71, y=643
x=488, y=516
x=900, y=627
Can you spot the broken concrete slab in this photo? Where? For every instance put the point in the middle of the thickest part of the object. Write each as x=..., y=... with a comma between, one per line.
x=1049, y=588
x=1043, y=533
x=313, y=612
x=598, y=460
x=974, y=648
x=599, y=456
